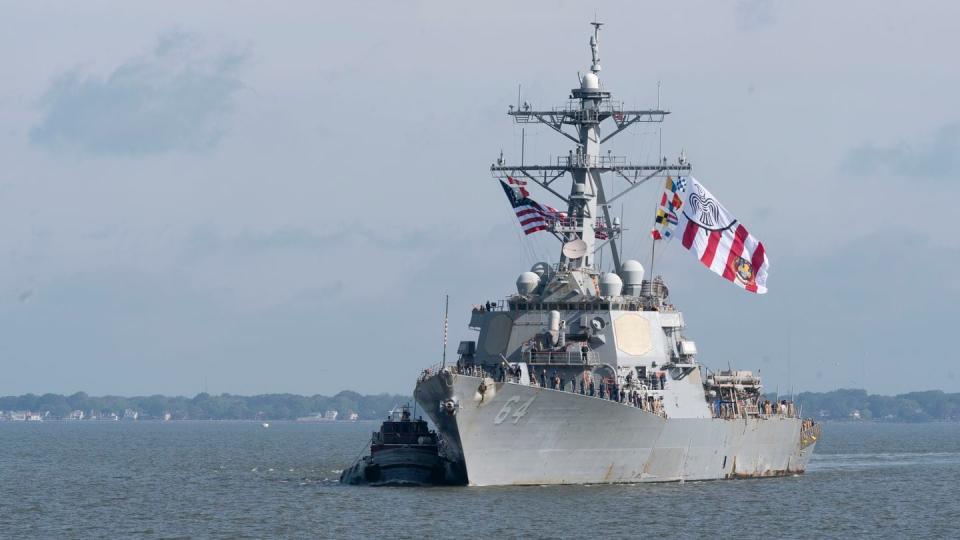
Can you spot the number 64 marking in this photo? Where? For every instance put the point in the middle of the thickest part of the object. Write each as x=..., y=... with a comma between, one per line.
x=508, y=406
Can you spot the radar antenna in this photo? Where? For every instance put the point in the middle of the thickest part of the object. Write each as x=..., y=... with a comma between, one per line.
x=595, y=47
x=587, y=223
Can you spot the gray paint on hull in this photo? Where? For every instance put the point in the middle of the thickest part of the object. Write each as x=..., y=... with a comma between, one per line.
x=566, y=438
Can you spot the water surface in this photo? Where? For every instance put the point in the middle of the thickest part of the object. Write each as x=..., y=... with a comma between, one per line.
x=240, y=480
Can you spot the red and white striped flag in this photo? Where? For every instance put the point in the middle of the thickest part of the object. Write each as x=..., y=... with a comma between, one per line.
x=522, y=185
x=533, y=216
x=721, y=243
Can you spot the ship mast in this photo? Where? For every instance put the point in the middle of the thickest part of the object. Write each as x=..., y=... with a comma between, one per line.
x=589, y=106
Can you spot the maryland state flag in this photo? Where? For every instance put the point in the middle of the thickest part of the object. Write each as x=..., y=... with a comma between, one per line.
x=721, y=243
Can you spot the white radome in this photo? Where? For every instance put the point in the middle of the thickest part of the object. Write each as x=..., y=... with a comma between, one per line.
x=590, y=81
x=527, y=282
x=632, y=273
x=610, y=285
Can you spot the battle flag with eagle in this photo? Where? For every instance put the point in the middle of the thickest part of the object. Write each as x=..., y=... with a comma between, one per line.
x=721, y=242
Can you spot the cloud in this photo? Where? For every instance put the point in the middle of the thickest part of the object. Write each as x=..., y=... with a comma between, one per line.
x=268, y=297
x=861, y=304
x=935, y=156
x=755, y=14
x=206, y=240
x=177, y=98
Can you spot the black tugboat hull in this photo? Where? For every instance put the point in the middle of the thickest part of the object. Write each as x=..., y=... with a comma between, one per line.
x=407, y=466
x=398, y=467
x=404, y=452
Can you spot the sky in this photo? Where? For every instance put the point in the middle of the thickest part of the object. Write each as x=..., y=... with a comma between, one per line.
x=250, y=198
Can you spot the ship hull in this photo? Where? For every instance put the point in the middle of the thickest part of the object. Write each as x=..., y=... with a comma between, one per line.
x=397, y=467
x=513, y=434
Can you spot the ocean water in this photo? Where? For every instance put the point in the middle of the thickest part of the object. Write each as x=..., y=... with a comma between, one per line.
x=240, y=480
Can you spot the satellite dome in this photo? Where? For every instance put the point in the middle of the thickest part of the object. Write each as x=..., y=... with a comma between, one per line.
x=632, y=273
x=527, y=282
x=590, y=81
x=610, y=284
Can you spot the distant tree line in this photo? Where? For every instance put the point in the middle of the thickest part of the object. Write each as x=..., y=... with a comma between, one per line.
x=850, y=404
x=843, y=404
x=209, y=407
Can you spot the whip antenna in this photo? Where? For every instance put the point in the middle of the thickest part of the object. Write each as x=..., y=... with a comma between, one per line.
x=446, y=313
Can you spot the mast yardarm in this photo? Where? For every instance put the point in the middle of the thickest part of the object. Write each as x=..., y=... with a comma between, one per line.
x=588, y=221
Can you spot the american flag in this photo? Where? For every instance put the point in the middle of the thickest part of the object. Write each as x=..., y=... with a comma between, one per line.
x=521, y=183
x=532, y=215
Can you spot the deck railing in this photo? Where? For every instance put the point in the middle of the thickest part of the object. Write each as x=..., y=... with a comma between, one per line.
x=561, y=358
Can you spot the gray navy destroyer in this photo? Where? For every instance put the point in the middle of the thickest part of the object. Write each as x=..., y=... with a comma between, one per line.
x=585, y=377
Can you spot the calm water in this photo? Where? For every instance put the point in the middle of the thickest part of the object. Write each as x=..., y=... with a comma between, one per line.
x=239, y=480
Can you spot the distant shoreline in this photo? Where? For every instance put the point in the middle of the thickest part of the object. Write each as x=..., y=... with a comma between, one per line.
x=345, y=406
x=197, y=421
x=843, y=405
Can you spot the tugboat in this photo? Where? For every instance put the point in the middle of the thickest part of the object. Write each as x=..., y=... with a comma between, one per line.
x=405, y=452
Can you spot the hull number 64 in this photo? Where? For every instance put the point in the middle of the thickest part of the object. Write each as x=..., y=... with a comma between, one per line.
x=508, y=407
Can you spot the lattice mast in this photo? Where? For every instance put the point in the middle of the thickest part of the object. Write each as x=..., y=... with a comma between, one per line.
x=589, y=106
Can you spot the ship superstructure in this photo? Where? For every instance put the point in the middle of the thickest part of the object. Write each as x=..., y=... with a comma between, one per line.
x=588, y=377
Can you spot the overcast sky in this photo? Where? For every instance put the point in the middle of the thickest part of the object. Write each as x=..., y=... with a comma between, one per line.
x=246, y=197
